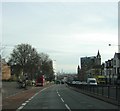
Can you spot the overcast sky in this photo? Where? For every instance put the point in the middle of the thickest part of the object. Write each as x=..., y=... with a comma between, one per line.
x=65, y=31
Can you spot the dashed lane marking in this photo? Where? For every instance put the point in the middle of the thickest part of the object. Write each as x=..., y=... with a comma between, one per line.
x=59, y=95
x=67, y=107
x=62, y=100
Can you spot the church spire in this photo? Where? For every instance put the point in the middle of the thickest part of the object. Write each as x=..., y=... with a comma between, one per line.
x=98, y=54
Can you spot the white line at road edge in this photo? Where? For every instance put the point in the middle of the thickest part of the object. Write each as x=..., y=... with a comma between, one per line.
x=19, y=108
x=23, y=104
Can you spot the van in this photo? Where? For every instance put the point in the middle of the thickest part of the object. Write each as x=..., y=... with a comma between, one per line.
x=91, y=81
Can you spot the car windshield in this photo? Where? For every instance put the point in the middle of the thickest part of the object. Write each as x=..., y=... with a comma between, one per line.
x=59, y=55
x=92, y=81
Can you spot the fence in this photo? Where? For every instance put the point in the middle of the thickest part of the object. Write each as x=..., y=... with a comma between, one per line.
x=108, y=91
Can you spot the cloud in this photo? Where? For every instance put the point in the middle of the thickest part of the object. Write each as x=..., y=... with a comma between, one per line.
x=66, y=31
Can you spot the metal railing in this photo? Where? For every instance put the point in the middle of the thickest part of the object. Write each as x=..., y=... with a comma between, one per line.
x=108, y=91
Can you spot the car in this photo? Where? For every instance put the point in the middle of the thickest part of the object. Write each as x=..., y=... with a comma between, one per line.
x=57, y=82
x=91, y=81
x=78, y=82
x=62, y=82
x=73, y=82
x=84, y=83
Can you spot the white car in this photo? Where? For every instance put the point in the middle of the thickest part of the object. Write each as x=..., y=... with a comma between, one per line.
x=91, y=81
x=78, y=82
x=84, y=83
x=73, y=82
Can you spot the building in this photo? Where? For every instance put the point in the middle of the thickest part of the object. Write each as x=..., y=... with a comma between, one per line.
x=112, y=69
x=90, y=62
x=5, y=69
x=90, y=66
x=109, y=71
x=116, y=66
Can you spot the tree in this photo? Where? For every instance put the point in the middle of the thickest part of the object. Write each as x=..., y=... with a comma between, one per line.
x=24, y=58
x=46, y=66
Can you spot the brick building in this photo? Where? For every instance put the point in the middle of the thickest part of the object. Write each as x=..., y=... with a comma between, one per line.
x=5, y=69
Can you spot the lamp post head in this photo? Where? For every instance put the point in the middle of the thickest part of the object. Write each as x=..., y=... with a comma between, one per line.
x=109, y=44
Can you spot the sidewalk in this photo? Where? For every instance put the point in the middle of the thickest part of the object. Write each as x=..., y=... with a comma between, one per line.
x=13, y=102
x=11, y=88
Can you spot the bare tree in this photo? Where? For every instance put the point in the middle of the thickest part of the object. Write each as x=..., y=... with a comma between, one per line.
x=24, y=58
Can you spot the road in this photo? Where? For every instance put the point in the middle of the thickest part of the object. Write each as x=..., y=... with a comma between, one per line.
x=61, y=97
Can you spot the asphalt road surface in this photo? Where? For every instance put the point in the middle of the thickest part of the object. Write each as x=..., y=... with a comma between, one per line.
x=61, y=97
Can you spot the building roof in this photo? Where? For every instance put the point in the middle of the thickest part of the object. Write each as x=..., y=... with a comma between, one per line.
x=117, y=55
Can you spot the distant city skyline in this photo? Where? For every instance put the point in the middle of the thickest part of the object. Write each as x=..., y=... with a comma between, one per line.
x=65, y=31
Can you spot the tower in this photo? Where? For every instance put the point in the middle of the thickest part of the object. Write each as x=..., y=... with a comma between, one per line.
x=98, y=58
x=78, y=69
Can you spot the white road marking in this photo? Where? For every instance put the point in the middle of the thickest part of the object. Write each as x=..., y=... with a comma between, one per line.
x=62, y=100
x=32, y=97
x=27, y=101
x=21, y=107
x=59, y=95
x=24, y=104
x=43, y=89
x=67, y=107
x=36, y=94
